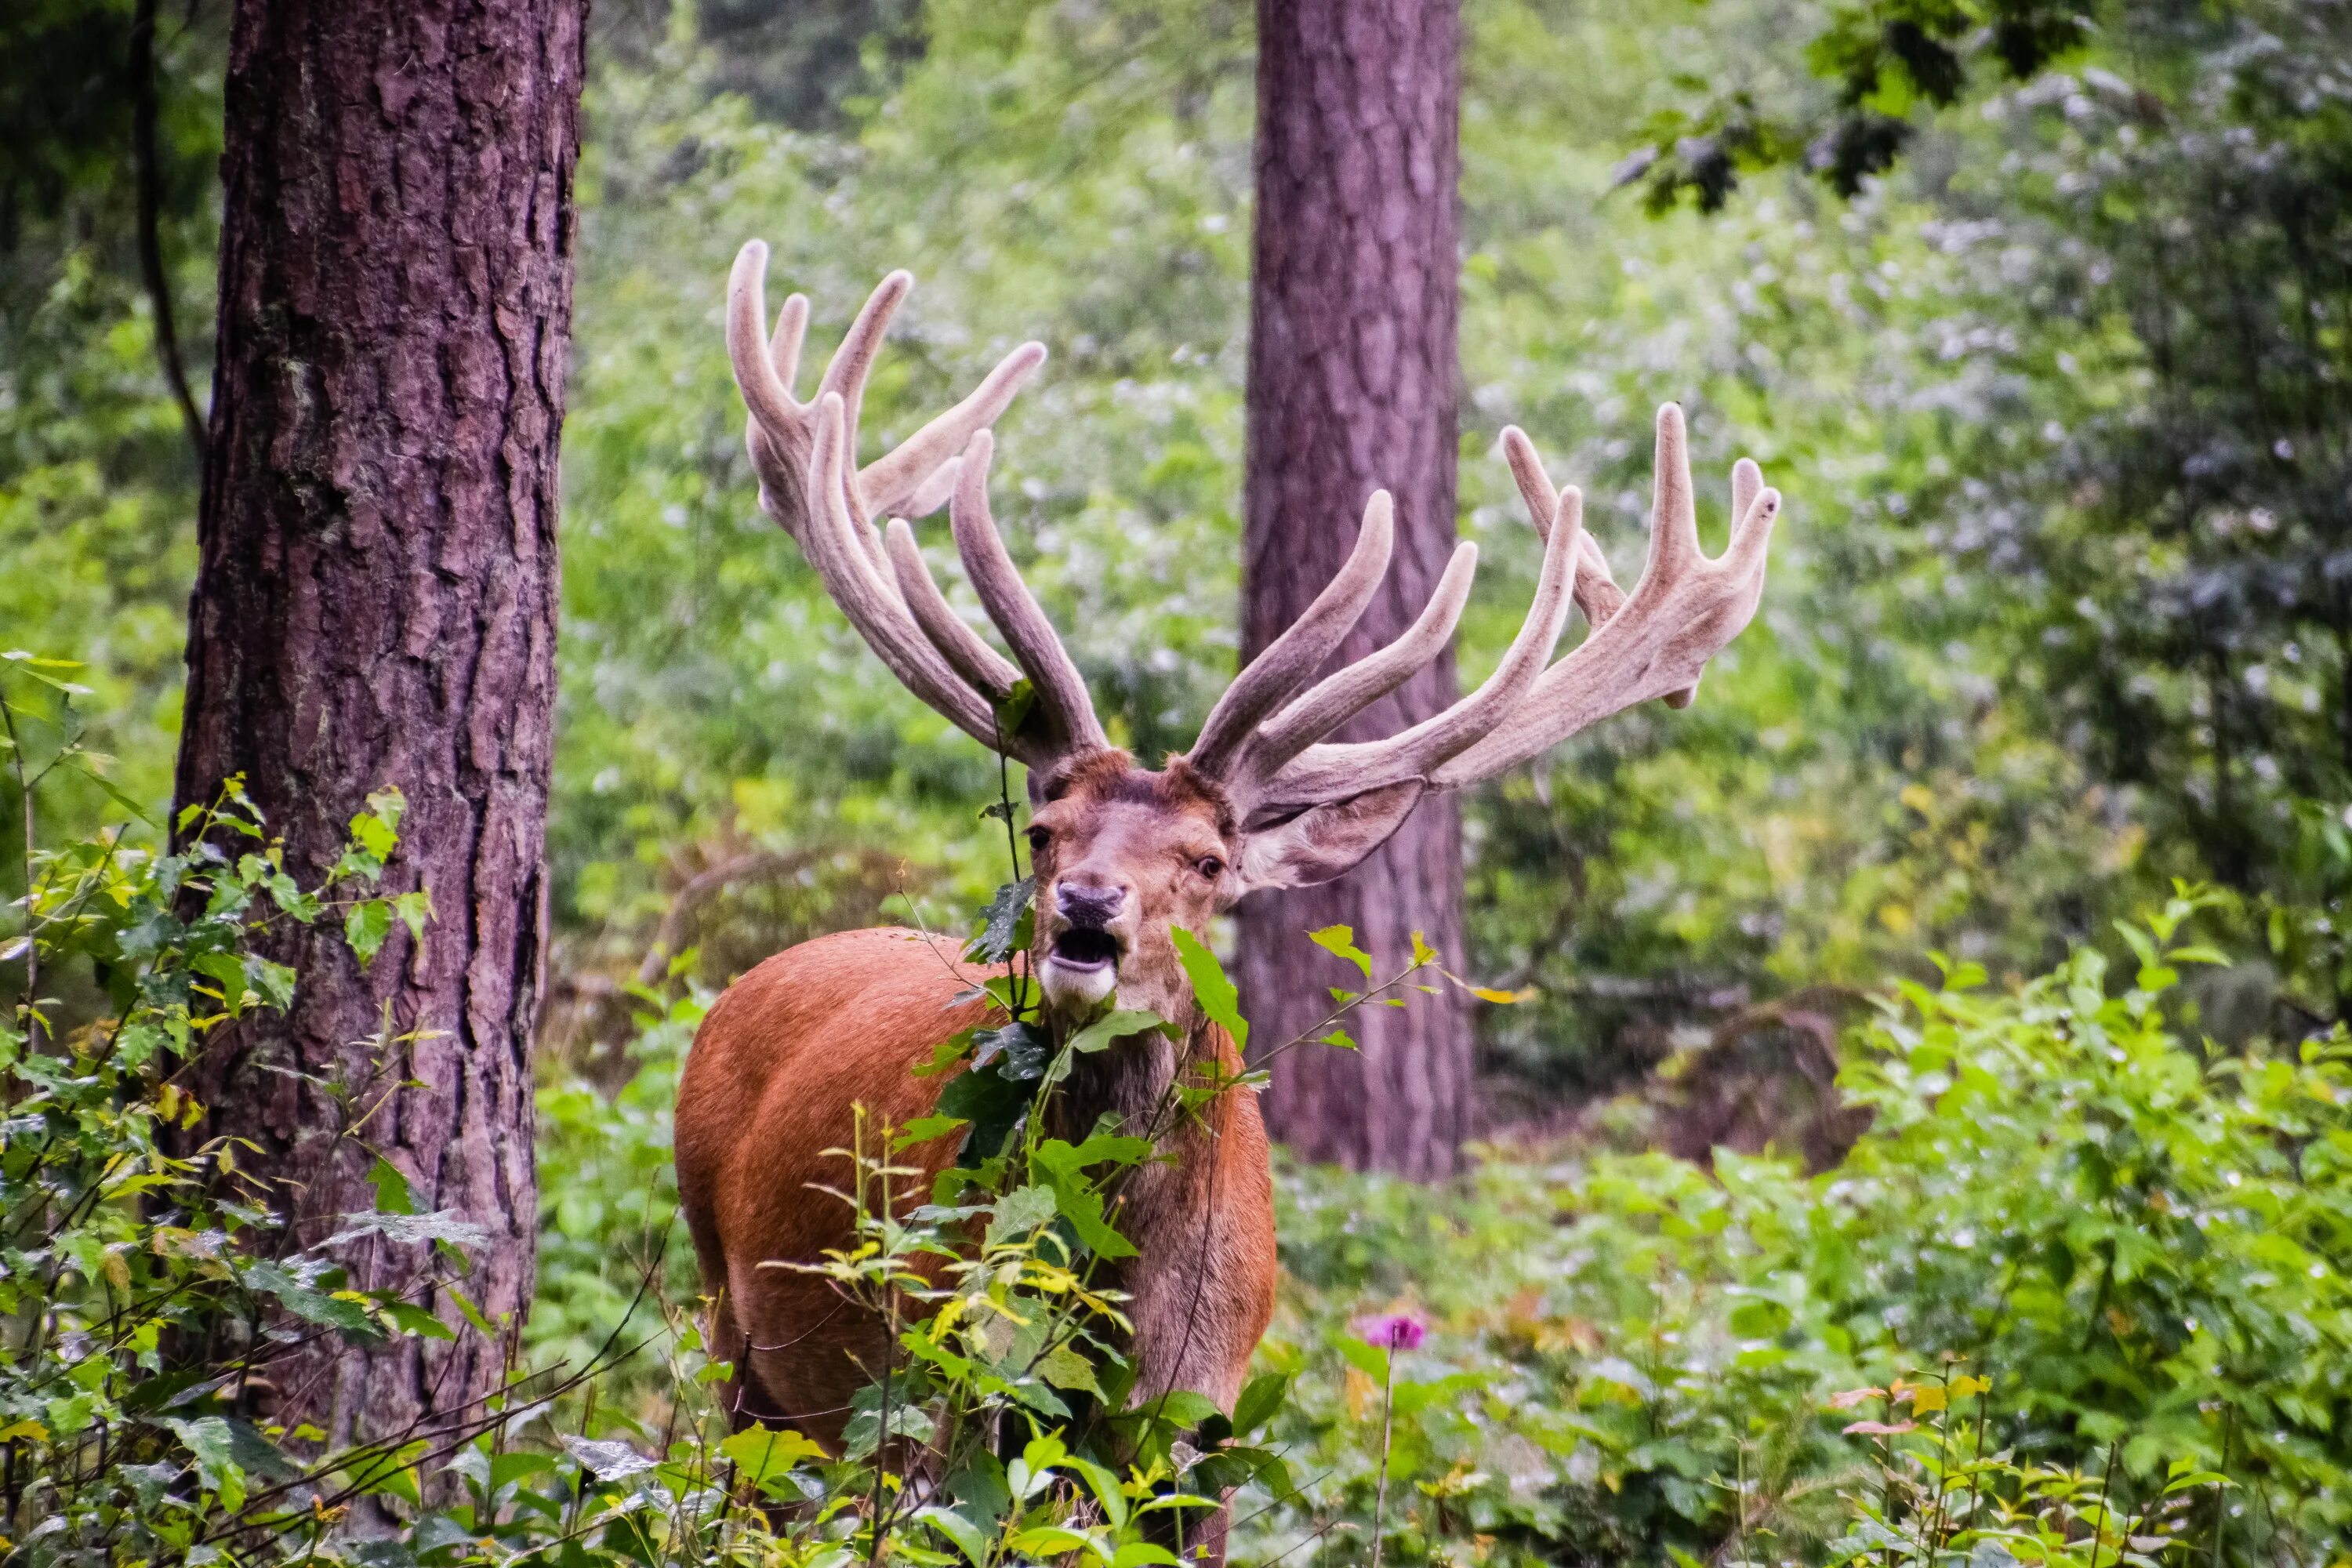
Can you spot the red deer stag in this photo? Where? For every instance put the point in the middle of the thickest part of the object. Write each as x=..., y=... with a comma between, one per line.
x=1122, y=853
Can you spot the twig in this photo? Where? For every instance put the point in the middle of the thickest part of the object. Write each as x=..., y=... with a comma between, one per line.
x=143, y=116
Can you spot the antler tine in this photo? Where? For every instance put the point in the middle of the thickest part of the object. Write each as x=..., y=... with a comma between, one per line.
x=792, y=329
x=901, y=476
x=1597, y=592
x=845, y=373
x=1684, y=610
x=1330, y=772
x=1290, y=661
x=830, y=541
x=897, y=481
x=983, y=666
x=805, y=457
x=1061, y=690
x=1344, y=693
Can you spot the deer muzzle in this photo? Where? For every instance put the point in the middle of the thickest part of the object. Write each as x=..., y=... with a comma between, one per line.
x=1086, y=940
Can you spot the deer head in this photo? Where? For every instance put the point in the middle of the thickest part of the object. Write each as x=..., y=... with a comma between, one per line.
x=1123, y=853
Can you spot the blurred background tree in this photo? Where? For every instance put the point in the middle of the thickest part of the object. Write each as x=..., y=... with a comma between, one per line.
x=1354, y=301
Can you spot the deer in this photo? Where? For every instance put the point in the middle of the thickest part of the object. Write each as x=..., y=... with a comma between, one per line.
x=1122, y=855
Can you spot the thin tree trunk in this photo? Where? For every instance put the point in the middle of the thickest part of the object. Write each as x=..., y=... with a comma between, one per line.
x=149, y=177
x=1351, y=388
x=375, y=604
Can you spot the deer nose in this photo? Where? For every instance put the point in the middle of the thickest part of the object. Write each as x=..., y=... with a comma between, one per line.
x=1088, y=903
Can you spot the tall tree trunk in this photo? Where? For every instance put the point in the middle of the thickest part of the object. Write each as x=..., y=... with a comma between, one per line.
x=1351, y=388
x=376, y=603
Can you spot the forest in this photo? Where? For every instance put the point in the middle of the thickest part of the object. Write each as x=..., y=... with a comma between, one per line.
x=1891, y=1106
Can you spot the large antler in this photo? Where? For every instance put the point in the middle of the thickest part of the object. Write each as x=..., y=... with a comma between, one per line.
x=1266, y=739
x=1654, y=643
x=805, y=454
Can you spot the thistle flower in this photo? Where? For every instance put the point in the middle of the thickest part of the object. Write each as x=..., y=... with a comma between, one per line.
x=1392, y=1330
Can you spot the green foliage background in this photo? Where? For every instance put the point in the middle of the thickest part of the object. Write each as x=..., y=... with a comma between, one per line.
x=2058, y=610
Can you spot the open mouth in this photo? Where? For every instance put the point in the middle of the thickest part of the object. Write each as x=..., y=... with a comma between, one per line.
x=1085, y=947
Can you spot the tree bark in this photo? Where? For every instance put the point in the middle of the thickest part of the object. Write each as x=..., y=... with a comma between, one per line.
x=375, y=606
x=1351, y=388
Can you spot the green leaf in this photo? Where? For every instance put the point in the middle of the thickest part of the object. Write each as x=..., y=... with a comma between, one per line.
x=948, y=1052
x=312, y=1305
x=414, y=910
x=923, y=1130
x=1183, y=1409
x=472, y=1313
x=980, y=1488
x=1019, y=1212
x=1104, y=1484
x=991, y=1103
x=1341, y=940
x=1100, y=1034
x=767, y=1455
x=1260, y=1399
x=1000, y=933
x=1211, y=988
x=1013, y=710
x=1025, y=1049
x=365, y=925
x=377, y=829
x=1141, y=1553
x=411, y=1319
x=228, y=970
x=968, y=1537
x=1064, y=1367
x=274, y=982
x=1080, y=1200
x=1759, y=1319
x=393, y=1193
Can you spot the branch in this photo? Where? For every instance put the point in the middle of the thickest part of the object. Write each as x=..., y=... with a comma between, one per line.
x=144, y=113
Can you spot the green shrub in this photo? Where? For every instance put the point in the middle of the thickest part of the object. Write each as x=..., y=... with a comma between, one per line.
x=146, y=1287
x=2141, y=1241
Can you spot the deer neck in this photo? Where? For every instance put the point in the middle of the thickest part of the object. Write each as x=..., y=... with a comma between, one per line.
x=1127, y=1082
x=1130, y=1083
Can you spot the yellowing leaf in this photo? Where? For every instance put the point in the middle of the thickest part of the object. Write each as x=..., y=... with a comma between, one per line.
x=1926, y=1398
x=1064, y=1367
x=1341, y=941
x=1360, y=1392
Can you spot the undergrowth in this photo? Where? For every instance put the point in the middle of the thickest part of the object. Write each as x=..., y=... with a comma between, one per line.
x=2076, y=1296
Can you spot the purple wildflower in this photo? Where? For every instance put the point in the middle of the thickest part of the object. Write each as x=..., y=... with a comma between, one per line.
x=1393, y=1330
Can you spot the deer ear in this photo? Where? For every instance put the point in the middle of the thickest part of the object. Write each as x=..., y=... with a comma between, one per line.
x=1325, y=841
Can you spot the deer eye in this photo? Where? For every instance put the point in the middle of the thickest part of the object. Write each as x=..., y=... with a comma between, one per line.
x=1209, y=866
x=1038, y=839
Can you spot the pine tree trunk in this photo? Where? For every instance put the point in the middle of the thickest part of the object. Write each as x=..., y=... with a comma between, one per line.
x=1351, y=388
x=375, y=606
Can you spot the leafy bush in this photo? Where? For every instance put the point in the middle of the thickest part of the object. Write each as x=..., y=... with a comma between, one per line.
x=2140, y=1240
x=146, y=1285
x=2120, y=1250
x=149, y=1287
